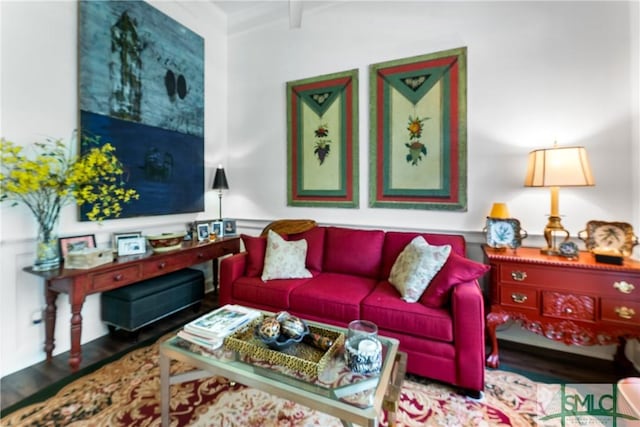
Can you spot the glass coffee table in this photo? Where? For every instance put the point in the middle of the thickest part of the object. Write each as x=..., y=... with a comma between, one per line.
x=352, y=398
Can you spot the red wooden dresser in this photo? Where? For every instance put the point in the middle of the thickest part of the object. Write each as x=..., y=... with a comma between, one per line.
x=575, y=301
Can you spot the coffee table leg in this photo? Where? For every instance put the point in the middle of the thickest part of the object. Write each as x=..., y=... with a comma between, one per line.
x=165, y=392
x=390, y=402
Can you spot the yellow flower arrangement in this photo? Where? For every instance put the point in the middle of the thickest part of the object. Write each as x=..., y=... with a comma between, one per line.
x=53, y=177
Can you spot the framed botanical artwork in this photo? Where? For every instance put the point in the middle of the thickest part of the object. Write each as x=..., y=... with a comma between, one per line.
x=322, y=141
x=418, y=141
x=71, y=243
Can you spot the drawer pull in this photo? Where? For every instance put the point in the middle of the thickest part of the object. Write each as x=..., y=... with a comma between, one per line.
x=162, y=265
x=625, y=312
x=118, y=277
x=519, y=298
x=624, y=287
x=200, y=255
x=518, y=276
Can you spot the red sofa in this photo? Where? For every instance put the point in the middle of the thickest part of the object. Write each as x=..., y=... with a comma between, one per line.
x=350, y=268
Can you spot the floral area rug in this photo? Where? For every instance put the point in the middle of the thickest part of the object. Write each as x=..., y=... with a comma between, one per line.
x=127, y=393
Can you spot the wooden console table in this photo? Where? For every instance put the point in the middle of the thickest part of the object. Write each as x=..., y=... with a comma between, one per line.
x=579, y=301
x=122, y=272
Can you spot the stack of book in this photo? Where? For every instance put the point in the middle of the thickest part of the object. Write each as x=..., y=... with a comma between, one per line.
x=209, y=331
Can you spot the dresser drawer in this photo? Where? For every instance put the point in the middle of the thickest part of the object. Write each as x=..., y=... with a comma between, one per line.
x=568, y=306
x=115, y=278
x=603, y=283
x=518, y=296
x=621, y=311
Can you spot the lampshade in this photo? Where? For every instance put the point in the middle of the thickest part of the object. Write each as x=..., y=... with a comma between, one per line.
x=499, y=210
x=559, y=167
x=220, y=180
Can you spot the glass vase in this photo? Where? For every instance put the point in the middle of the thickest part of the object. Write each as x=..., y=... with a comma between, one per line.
x=47, y=251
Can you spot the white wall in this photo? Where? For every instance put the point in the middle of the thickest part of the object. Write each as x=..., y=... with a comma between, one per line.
x=537, y=71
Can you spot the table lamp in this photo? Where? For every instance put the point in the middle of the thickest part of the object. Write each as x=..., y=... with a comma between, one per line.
x=554, y=168
x=220, y=183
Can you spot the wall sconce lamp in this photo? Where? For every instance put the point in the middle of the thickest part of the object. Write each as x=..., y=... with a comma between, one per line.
x=220, y=183
x=554, y=168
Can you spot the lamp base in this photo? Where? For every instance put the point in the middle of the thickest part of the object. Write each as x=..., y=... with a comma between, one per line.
x=551, y=231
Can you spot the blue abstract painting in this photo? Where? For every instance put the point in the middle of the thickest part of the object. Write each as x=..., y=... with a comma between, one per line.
x=142, y=89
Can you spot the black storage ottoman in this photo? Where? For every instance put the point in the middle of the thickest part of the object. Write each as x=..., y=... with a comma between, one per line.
x=134, y=306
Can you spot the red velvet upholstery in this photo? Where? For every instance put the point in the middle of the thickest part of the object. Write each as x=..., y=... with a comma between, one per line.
x=442, y=335
x=354, y=252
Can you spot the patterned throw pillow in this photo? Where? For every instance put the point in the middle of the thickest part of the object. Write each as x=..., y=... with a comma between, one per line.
x=284, y=260
x=416, y=265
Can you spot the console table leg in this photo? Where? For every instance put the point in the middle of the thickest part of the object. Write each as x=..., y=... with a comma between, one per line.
x=493, y=320
x=50, y=321
x=76, y=333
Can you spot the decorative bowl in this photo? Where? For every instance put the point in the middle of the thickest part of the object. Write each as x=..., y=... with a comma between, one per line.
x=281, y=341
x=165, y=242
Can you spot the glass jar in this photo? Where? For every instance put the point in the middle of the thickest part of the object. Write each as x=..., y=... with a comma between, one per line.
x=363, y=351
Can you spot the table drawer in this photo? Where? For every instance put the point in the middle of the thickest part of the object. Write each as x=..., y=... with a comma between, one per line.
x=221, y=248
x=115, y=278
x=568, y=306
x=518, y=296
x=167, y=264
x=621, y=311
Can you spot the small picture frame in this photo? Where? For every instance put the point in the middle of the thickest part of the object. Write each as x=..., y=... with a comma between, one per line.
x=218, y=228
x=131, y=246
x=71, y=243
x=127, y=235
x=229, y=228
x=203, y=231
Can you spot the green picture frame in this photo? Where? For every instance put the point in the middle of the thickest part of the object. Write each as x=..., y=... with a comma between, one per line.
x=322, y=141
x=418, y=136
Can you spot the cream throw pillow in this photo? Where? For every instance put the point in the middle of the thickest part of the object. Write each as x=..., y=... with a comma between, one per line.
x=416, y=265
x=283, y=259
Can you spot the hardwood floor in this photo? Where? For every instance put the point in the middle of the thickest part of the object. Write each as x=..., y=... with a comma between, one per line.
x=564, y=366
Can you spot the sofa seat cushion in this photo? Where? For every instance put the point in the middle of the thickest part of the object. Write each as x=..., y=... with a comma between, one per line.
x=274, y=293
x=352, y=251
x=396, y=241
x=388, y=311
x=332, y=296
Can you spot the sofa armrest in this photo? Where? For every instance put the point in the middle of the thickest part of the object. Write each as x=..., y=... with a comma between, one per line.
x=467, y=306
x=231, y=269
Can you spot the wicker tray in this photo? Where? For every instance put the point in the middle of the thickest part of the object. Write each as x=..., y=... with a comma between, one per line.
x=301, y=357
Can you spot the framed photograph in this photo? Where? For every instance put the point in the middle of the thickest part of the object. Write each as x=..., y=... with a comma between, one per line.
x=66, y=244
x=218, y=228
x=322, y=141
x=229, y=227
x=418, y=136
x=127, y=235
x=203, y=231
x=131, y=246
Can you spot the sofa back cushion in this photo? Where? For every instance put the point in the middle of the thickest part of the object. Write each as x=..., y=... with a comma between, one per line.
x=315, y=246
x=353, y=251
x=255, y=247
x=396, y=241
